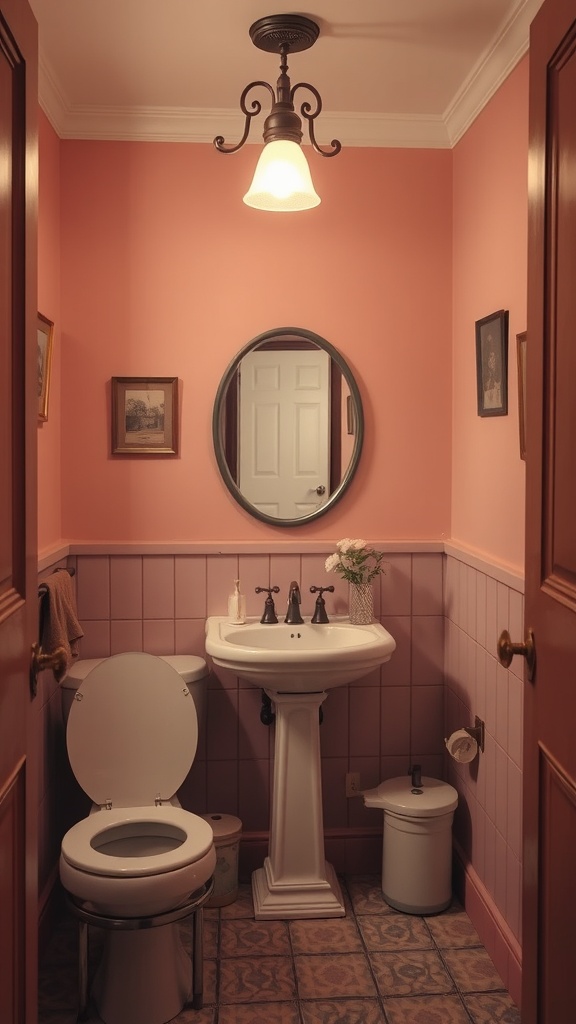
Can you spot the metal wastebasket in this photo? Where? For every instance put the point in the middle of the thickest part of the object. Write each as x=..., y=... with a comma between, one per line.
x=417, y=843
x=227, y=831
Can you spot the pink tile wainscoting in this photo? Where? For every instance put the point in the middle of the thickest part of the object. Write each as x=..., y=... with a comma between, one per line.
x=158, y=603
x=488, y=820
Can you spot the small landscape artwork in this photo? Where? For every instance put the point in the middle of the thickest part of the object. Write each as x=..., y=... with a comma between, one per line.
x=144, y=415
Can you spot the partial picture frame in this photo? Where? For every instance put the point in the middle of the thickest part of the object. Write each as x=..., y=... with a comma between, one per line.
x=492, y=364
x=350, y=416
x=45, y=334
x=521, y=358
x=144, y=415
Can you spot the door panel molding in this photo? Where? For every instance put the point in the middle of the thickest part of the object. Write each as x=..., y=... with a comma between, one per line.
x=12, y=894
x=559, y=491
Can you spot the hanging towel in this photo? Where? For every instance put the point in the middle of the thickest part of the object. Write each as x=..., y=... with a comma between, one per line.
x=60, y=626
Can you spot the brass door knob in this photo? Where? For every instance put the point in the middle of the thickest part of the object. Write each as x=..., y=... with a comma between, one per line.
x=39, y=661
x=506, y=651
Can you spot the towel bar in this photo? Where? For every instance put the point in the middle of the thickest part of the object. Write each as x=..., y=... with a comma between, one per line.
x=43, y=589
x=57, y=659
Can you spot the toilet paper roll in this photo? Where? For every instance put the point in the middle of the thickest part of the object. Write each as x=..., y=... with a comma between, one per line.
x=462, y=746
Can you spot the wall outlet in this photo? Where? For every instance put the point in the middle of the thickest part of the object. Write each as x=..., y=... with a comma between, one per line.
x=353, y=784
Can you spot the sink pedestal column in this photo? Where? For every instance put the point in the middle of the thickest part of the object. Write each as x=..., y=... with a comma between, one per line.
x=296, y=881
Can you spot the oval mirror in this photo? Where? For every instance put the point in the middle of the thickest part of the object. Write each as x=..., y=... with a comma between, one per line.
x=287, y=426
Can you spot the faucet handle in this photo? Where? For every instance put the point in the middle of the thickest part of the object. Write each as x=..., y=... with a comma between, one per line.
x=269, y=615
x=320, y=614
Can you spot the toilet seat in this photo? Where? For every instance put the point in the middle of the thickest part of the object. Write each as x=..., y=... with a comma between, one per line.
x=132, y=731
x=186, y=836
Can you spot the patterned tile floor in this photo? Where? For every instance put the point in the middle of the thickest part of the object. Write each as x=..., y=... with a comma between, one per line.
x=375, y=966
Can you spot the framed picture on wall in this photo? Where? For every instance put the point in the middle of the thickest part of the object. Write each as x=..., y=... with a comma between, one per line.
x=144, y=415
x=492, y=364
x=521, y=355
x=45, y=331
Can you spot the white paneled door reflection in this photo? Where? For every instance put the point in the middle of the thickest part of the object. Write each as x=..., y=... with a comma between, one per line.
x=284, y=411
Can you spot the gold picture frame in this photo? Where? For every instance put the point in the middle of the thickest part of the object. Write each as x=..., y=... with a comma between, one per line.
x=45, y=334
x=521, y=357
x=144, y=415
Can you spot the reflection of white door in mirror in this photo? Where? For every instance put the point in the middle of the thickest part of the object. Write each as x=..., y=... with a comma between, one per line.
x=264, y=441
x=284, y=411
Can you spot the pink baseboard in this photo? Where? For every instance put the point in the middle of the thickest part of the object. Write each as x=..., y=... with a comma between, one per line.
x=500, y=943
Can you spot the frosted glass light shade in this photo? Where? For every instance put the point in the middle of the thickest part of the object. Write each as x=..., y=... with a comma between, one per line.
x=282, y=180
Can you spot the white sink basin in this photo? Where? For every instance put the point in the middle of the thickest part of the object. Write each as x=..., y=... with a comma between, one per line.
x=310, y=658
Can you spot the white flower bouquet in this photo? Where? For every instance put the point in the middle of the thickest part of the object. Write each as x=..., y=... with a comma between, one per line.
x=355, y=562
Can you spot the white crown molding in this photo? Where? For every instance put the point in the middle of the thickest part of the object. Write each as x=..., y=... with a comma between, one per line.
x=179, y=124
x=182, y=124
x=384, y=130
x=494, y=66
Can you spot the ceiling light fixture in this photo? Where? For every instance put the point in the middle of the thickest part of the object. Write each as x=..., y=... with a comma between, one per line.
x=282, y=180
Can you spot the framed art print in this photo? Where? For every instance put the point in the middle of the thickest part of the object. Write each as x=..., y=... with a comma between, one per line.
x=144, y=415
x=521, y=356
x=492, y=364
x=45, y=334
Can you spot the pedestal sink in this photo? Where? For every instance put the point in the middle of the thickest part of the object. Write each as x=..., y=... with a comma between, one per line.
x=296, y=666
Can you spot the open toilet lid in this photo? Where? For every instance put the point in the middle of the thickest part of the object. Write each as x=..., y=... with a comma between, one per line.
x=132, y=731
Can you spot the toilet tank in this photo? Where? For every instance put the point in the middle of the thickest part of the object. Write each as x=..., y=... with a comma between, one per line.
x=192, y=670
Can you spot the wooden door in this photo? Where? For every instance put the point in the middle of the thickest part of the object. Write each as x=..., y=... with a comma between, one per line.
x=285, y=431
x=549, y=901
x=18, y=560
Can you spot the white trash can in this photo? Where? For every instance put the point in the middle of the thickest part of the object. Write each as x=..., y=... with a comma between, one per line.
x=227, y=831
x=417, y=843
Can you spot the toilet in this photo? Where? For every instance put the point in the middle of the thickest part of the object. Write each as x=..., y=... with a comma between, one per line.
x=132, y=733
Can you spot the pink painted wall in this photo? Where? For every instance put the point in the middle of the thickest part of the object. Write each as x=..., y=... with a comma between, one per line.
x=50, y=430
x=166, y=272
x=490, y=260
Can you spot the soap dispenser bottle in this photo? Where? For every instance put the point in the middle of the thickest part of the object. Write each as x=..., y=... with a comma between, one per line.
x=237, y=606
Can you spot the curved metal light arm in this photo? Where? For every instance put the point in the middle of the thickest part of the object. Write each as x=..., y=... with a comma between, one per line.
x=256, y=107
x=311, y=115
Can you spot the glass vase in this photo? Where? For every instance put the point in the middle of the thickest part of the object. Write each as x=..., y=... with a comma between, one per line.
x=361, y=604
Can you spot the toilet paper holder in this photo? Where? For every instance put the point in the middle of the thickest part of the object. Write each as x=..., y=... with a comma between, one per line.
x=476, y=731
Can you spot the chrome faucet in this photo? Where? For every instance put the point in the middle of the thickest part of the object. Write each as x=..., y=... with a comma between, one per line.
x=293, y=617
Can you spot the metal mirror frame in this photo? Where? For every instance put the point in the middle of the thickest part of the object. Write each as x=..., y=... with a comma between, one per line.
x=218, y=420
